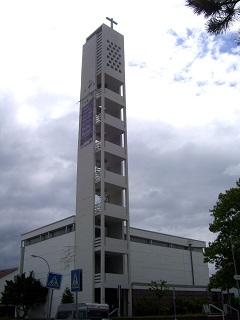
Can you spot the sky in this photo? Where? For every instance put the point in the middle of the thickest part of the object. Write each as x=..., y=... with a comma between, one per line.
x=182, y=90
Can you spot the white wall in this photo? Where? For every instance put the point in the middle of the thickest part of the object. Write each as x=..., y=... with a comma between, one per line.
x=151, y=263
x=148, y=262
x=59, y=253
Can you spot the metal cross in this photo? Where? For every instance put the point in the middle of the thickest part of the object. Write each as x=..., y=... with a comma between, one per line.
x=112, y=21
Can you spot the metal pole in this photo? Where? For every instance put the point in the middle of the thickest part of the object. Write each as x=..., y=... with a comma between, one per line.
x=48, y=296
x=234, y=261
x=174, y=304
x=119, y=301
x=50, y=304
x=76, y=305
x=232, y=247
x=191, y=259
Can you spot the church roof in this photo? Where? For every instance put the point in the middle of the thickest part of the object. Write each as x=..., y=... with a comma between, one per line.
x=5, y=272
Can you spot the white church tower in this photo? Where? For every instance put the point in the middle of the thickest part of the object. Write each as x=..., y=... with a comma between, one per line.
x=102, y=206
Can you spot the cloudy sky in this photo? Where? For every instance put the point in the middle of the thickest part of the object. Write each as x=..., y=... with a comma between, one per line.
x=182, y=105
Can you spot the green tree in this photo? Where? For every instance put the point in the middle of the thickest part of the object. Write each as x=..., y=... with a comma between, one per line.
x=160, y=288
x=226, y=224
x=220, y=14
x=67, y=296
x=24, y=293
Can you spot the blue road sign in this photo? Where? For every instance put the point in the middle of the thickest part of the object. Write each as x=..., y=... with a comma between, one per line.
x=54, y=280
x=76, y=280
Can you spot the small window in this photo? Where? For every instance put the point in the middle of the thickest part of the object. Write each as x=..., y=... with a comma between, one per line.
x=70, y=228
x=32, y=240
x=160, y=243
x=44, y=236
x=58, y=232
x=139, y=240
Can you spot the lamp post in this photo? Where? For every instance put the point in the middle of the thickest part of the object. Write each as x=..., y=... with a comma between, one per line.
x=48, y=311
x=231, y=219
x=34, y=256
x=190, y=242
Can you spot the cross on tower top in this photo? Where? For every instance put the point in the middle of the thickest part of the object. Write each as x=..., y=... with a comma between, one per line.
x=112, y=21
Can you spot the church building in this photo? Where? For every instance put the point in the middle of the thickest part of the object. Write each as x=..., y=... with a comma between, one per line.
x=118, y=262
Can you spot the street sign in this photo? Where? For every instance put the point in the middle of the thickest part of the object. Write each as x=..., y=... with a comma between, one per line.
x=76, y=280
x=237, y=277
x=54, y=280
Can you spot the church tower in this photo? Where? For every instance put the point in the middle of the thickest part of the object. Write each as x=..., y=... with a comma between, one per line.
x=102, y=205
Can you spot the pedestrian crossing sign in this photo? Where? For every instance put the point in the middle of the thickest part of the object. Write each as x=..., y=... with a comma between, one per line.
x=54, y=280
x=76, y=280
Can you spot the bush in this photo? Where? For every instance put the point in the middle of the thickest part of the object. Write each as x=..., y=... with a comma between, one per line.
x=234, y=302
x=189, y=306
x=146, y=308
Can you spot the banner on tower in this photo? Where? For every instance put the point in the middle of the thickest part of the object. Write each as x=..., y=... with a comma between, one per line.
x=87, y=121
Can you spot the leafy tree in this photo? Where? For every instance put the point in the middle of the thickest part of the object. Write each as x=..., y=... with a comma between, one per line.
x=221, y=14
x=160, y=288
x=67, y=296
x=226, y=225
x=24, y=293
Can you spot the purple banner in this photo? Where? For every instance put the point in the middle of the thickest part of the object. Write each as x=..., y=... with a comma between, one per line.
x=87, y=124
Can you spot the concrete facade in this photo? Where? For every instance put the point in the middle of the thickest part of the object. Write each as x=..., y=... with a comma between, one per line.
x=154, y=256
x=102, y=214
x=177, y=260
x=56, y=244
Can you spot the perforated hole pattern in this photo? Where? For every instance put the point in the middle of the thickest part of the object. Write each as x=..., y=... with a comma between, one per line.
x=114, y=56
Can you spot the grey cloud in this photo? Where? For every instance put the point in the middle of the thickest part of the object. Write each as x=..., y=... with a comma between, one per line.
x=38, y=175
x=175, y=175
x=175, y=189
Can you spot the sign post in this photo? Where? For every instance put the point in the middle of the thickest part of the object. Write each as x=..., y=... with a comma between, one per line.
x=54, y=281
x=76, y=285
x=119, y=290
